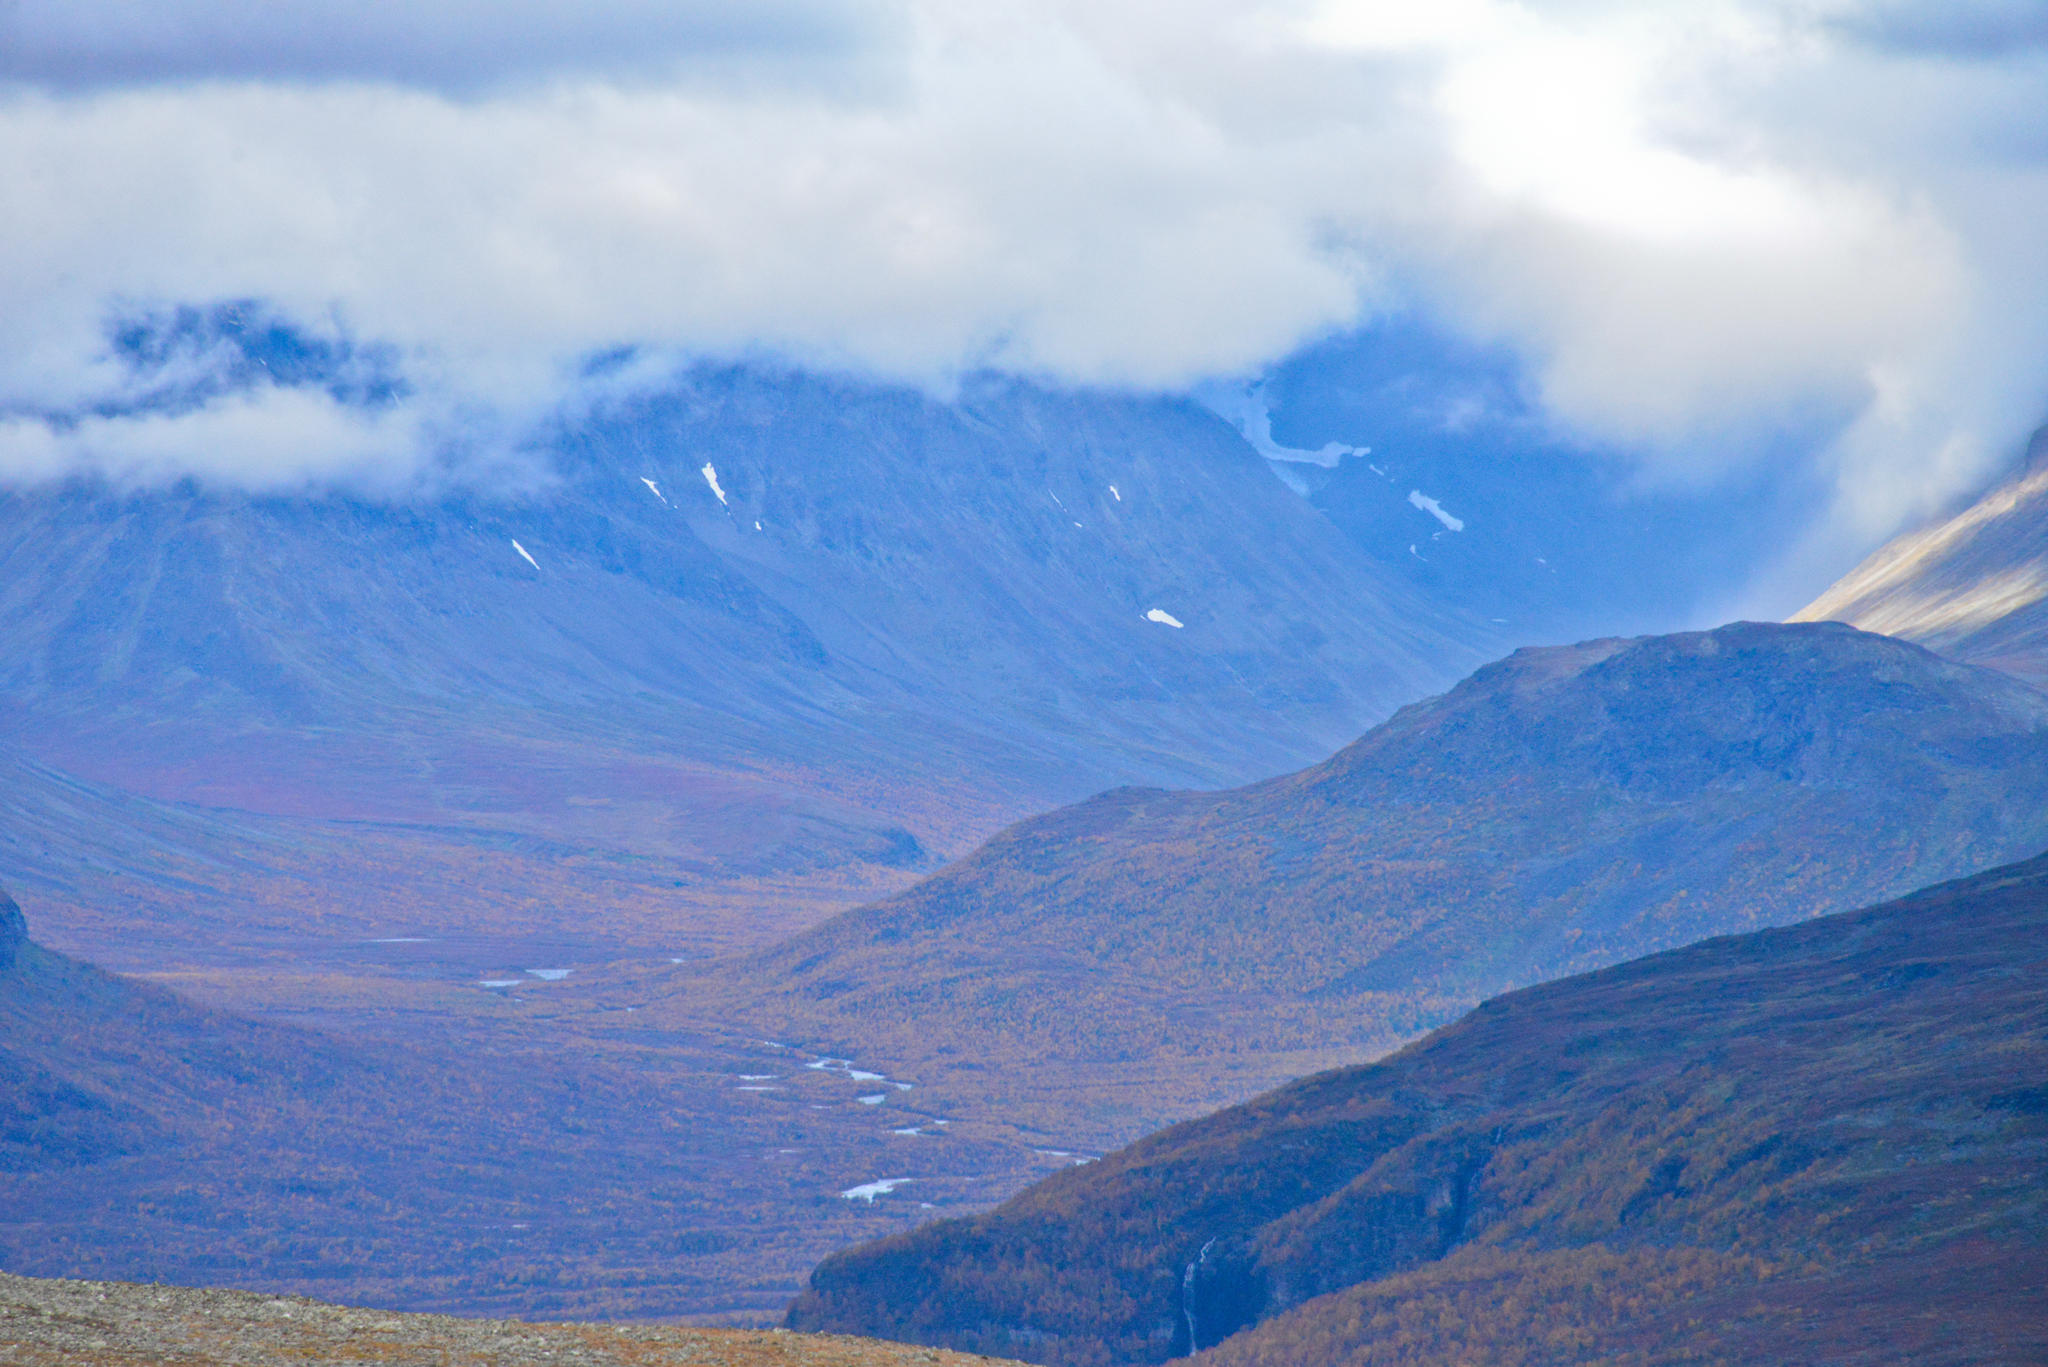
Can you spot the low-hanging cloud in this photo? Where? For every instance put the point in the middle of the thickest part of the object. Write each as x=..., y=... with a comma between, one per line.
x=1688, y=220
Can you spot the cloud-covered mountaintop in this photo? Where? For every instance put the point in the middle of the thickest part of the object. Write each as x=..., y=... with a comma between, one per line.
x=1692, y=223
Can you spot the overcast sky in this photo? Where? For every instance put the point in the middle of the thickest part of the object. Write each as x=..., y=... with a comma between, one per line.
x=1690, y=220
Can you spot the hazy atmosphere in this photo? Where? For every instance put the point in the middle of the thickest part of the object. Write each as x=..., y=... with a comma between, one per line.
x=1264, y=683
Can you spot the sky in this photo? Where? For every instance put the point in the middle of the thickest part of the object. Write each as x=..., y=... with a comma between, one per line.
x=1694, y=224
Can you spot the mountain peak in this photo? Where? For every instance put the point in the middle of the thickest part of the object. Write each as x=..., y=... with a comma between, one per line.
x=1678, y=715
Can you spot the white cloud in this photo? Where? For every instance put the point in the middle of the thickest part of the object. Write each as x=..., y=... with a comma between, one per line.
x=238, y=439
x=1688, y=219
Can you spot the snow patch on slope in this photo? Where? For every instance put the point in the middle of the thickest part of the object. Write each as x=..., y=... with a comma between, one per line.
x=1418, y=499
x=868, y=1191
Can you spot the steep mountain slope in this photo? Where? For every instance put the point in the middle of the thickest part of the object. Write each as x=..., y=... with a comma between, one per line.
x=757, y=624
x=1562, y=809
x=1974, y=587
x=617, y=1173
x=1815, y=1143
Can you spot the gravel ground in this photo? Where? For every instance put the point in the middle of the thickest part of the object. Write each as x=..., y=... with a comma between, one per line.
x=98, y=1324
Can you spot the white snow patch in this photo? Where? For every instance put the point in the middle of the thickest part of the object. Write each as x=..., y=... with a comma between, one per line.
x=1164, y=618
x=711, y=478
x=522, y=551
x=549, y=974
x=654, y=489
x=909, y=1129
x=902, y=1086
x=500, y=982
x=858, y=1076
x=1418, y=499
x=1114, y=494
x=868, y=1191
x=757, y=526
x=759, y=1077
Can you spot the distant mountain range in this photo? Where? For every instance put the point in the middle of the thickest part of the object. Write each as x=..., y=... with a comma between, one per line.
x=1820, y=1143
x=1973, y=586
x=755, y=625
x=1562, y=809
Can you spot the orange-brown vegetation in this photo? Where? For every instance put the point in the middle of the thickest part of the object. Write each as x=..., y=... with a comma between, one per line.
x=47, y=1323
x=1559, y=810
x=1767, y=1145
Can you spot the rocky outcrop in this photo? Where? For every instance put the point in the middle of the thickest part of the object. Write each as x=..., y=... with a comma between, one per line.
x=13, y=930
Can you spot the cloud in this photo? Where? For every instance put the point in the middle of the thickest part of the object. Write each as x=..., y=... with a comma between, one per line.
x=455, y=46
x=237, y=439
x=1972, y=29
x=1693, y=223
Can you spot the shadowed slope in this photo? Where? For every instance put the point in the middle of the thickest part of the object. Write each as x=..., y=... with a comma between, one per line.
x=1774, y=1147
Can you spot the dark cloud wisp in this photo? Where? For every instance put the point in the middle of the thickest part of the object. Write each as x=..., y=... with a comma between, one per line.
x=456, y=47
x=1975, y=30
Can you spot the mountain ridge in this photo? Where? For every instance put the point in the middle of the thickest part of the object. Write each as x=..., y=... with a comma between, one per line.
x=1561, y=809
x=1743, y=1123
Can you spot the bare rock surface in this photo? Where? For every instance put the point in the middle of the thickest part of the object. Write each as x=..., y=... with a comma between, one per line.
x=91, y=1324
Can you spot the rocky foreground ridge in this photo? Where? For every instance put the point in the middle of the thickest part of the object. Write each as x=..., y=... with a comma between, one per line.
x=85, y=1324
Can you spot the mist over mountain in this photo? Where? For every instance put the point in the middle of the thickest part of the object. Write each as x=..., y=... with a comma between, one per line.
x=1973, y=586
x=1813, y=1143
x=1433, y=456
